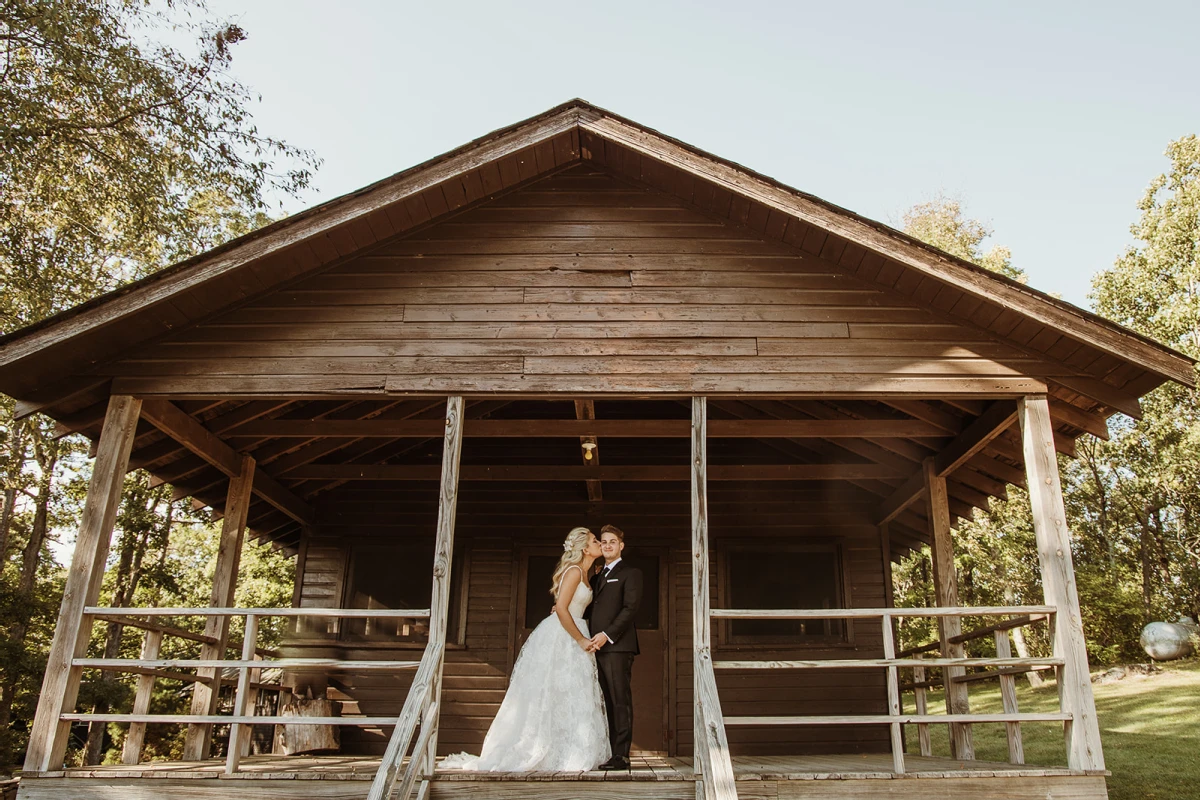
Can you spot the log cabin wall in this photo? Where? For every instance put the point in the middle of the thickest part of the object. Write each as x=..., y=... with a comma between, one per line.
x=578, y=275
x=498, y=522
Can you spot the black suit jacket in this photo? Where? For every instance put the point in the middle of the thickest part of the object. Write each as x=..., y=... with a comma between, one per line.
x=614, y=607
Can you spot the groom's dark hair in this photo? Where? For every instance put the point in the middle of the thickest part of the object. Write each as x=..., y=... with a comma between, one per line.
x=615, y=531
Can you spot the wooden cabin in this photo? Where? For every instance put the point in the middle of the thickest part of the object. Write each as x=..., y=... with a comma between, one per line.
x=417, y=389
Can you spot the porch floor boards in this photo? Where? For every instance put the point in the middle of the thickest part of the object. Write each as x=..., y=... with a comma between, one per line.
x=644, y=768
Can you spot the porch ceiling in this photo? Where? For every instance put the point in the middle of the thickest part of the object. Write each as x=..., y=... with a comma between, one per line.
x=873, y=448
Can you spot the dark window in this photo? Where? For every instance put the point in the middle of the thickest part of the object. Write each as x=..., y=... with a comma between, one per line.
x=771, y=578
x=539, y=602
x=392, y=577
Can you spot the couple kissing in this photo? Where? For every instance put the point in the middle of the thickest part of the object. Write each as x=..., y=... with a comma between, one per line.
x=569, y=706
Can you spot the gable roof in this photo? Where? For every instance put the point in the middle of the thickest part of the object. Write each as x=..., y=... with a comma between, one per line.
x=34, y=360
x=55, y=365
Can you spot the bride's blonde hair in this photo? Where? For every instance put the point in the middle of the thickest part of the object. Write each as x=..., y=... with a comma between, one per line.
x=573, y=547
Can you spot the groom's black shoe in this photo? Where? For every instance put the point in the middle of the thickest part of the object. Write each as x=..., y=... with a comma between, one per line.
x=616, y=762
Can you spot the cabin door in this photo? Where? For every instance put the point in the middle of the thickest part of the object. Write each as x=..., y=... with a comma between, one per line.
x=536, y=567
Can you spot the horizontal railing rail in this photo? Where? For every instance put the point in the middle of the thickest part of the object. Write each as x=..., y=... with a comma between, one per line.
x=872, y=613
x=346, y=613
x=254, y=659
x=1003, y=666
x=887, y=719
x=226, y=719
x=866, y=663
x=218, y=663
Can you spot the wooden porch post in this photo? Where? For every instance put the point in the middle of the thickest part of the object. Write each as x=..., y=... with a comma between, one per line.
x=708, y=729
x=443, y=558
x=198, y=739
x=60, y=686
x=945, y=579
x=1058, y=583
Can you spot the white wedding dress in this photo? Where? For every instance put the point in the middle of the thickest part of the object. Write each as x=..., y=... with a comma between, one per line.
x=552, y=717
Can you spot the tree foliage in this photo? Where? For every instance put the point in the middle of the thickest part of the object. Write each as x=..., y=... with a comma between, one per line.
x=1133, y=502
x=125, y=145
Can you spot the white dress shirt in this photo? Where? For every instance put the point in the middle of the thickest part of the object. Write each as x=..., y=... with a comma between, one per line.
x=607, y=569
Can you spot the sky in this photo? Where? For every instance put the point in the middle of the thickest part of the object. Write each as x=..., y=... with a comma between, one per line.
x=1047, y=120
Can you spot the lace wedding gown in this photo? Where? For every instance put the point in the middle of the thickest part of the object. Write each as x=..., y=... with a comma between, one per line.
x=552, y=717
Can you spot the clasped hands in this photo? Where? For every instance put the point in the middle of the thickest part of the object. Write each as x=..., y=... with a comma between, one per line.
x=593, y=644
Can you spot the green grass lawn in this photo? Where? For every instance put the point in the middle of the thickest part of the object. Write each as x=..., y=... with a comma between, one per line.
x=1150, y=727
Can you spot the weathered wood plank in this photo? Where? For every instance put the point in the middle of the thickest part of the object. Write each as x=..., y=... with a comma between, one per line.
x=966, y=278
x=60, y=683
x=573, y=473
x=190, y=433
x=710, y=742
x=229, y=552
x=388, y=348
x=945, y=579
x=571, y=428
x=135, y=737
x=800, y=385
x=241, y=697
x=1084, y=749
x=1008, y=695
x=965, y=446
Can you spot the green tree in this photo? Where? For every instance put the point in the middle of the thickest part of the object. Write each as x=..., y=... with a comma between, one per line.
x=941, y=223
x=1154, y=463
x=120, y=152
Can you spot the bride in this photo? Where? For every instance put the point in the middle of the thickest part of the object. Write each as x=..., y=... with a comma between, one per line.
x=552, y=717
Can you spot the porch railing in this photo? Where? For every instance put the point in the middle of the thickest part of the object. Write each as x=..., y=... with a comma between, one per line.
x=892, y=664
x=149, y=668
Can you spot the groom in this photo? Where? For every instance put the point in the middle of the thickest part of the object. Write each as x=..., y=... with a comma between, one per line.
x=616, y=595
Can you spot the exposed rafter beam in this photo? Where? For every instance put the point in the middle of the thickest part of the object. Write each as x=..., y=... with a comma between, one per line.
x=638, y=472
x=991, y=423
x=188, y=431
x=1105, y=393
x=62, y=393
x=583, y=426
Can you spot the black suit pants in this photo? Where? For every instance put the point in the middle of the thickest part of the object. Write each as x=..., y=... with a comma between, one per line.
x=616, y=670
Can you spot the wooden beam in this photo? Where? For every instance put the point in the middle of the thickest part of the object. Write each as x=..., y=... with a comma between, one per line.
x=60, y=685
x=197, y=741
x=585, y=410
x=968, y=444
x=443, y=561
x=589, y=426
x=998, y=417
x=131, y=750
x=62, y=393
x=1084, y=750
x=1076, y=417
x=189, y=432
x=945, y=581
x=611, y=472
x=1103, y=392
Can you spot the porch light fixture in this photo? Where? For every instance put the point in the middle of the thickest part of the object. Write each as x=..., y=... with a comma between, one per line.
x=589, y=447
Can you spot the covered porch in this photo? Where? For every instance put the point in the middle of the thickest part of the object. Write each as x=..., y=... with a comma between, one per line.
x=773, y=729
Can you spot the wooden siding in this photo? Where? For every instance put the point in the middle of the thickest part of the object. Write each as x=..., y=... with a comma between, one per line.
x=577, y=275
x=496, y=520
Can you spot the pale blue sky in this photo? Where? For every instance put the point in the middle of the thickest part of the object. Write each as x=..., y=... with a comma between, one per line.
x=1047, y=119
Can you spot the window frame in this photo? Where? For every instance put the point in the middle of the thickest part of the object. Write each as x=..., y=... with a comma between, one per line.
x=724, y=636
x=460, y=576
